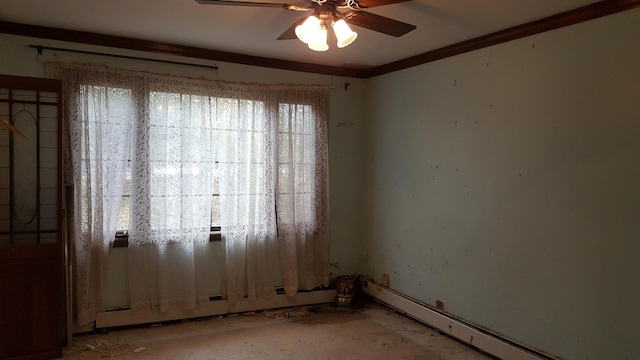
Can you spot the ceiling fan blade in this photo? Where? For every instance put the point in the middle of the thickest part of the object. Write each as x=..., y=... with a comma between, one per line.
x=378, y=23
x=374, y=3
x=290, y=33
x=254, y=4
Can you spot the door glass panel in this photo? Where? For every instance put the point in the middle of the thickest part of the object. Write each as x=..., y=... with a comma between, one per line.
x=25, y=169
x=5, y=171
x=29, y=161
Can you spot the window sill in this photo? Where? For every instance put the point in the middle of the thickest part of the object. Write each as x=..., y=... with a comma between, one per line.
x=122, y=239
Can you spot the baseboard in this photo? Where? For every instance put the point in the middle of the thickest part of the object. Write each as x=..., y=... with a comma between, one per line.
x=217, y=307
x=482, y=339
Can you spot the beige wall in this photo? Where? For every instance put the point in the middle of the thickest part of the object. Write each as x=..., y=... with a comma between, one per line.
x=505, y=183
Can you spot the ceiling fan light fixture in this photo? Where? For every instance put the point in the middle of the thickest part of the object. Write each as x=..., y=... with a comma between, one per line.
x=312, y=30
x=305, y=31
x=344, y=34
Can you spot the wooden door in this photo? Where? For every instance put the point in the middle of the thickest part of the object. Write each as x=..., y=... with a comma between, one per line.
x=32, y=295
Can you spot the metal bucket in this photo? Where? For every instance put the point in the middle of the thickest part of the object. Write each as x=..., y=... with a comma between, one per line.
x=345, y=288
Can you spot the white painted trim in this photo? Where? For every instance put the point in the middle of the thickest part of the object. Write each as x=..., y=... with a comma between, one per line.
x=490, y=343
x=217, y=307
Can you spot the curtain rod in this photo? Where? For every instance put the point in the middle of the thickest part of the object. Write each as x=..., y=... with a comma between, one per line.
x=40, y=48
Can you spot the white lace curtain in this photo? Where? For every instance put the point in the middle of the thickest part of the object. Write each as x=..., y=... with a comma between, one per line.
x=171, y=183
x=99, y=127
x=269, y=148
x=274, y=191
x=302, y=193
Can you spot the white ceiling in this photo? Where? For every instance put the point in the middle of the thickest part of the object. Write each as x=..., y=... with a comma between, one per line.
x=253, y=31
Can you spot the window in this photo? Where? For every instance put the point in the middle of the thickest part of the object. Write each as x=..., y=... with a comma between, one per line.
x=295, y=161
x=145, y=152
x=167, y=163
x=169, y=174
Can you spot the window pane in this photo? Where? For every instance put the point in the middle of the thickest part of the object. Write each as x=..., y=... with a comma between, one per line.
x=123, y=216
x=126, y=191
x=168, y=113
x=215, y=210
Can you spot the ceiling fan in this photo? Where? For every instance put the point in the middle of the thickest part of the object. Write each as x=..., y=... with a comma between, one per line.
x=312, y=29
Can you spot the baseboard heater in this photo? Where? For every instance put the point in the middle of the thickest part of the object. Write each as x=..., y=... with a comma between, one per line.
x=117, y=318
x=475, y=336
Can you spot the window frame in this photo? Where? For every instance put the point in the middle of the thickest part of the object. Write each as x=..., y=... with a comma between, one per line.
x=121, y=238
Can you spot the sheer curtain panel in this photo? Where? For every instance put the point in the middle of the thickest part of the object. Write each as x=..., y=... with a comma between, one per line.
x=171, y=199
x=99, y=111
x=274, y=190
x=303, y=192
x=155, y=132
x=247, y=206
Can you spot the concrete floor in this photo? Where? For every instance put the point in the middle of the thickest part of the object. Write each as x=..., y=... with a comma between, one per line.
x=369, y=332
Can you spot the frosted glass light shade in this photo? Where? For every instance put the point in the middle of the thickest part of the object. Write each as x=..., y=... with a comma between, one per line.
x=313, y=33
x=344, y=34
x=318, y=41
x=305, y=31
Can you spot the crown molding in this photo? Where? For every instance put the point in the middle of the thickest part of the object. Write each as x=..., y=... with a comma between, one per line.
x=162, y=48
x=571, y=17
